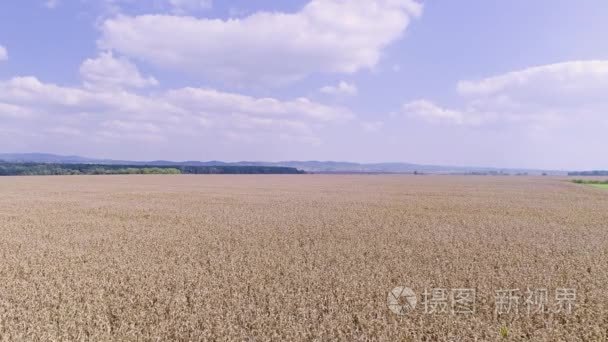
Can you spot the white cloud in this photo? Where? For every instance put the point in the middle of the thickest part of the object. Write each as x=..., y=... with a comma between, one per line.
x=432, y=113
x=569, y=79
x=539, y=96
x=204, y=116
x=331, y=36
x=107, y=71
x=27, y=90
x=209, y=100
x=13, y=111
x=3, y=53
x=343, y=88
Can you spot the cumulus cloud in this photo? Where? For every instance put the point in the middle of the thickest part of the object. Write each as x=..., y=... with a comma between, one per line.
x=3, y=53
x=209, y=100
x=13, y=111
x=343, y=88
x=119, y=114
x=568, y=78
x=432, y=113
x=108, y=71
x=331, y=36
x=548, y=116
x=542, y=95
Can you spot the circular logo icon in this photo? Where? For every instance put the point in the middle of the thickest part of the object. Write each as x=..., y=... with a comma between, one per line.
x=401, y=300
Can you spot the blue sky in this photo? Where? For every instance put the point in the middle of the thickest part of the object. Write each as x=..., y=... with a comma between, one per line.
x=488, y=83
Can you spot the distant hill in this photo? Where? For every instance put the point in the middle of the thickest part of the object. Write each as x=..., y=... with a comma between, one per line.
x=43, y=158
x=589, y=173
x=308, y=166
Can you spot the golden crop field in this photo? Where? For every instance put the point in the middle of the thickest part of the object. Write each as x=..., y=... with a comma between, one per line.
x=302, y=257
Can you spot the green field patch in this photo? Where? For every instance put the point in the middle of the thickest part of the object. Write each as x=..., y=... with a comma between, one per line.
x=592, y=182
x=601, y=186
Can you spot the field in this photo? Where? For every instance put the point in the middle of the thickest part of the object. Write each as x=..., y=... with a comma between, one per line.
x=595, y=182
x=601, y=186
x=300, y=257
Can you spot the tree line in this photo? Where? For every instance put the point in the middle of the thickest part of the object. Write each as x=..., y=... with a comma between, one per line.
x=40, y=169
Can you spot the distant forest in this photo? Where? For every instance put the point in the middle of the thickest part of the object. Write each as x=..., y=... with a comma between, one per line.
x=40, y=169
x=588, y=173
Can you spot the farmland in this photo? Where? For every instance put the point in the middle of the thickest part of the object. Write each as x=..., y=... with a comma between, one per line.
x=297, y=257
x=602, y=184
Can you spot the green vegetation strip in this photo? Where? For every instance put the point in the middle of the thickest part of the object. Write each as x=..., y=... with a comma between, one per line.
x=594, y=183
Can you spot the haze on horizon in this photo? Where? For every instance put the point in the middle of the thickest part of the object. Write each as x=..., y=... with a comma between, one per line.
x=514, y=84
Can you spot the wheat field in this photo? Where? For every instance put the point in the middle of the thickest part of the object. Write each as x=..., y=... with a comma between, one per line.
x=299, y=257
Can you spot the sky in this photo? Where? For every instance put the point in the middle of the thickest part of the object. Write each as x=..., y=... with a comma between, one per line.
x=514, y=83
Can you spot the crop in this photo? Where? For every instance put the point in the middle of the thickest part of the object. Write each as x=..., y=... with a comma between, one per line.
x=590, y=181
x=295, y=257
